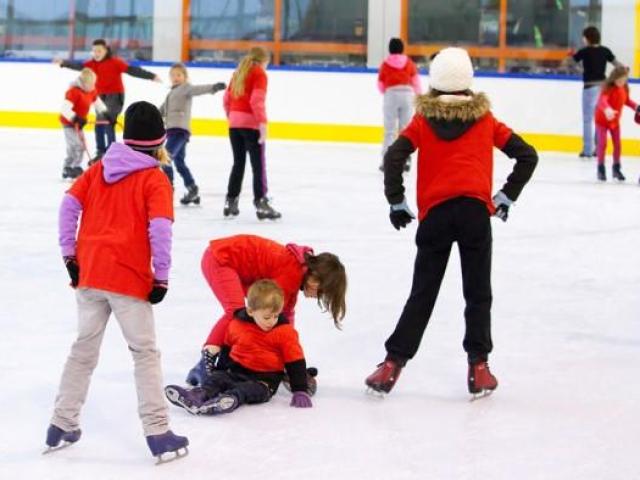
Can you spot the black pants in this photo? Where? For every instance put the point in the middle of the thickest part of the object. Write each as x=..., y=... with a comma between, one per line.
x=465, y=221
x=106, y=122
x=246, y=388
x=245, y=140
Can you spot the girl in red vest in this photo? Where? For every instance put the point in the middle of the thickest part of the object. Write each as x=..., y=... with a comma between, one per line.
x=244, y=104
x=454, y=132
x=109, y=69
x=613, y=98
x=232, y=264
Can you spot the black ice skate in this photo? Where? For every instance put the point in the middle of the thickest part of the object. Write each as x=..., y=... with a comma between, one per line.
x=231, y=207
x=192, y=196
x=385, y=376
x=191, y=399
x=480, y=380
x=67, y=173
x=616, y=173
x=167, y=443
x=57, y=439
x=76, y=172
x=222, y=403
x=602, y=175
x=264, y=211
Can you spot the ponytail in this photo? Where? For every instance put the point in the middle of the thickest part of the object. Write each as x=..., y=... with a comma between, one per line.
x=255, y=55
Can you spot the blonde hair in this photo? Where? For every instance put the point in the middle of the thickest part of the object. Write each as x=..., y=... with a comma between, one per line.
x=87, y=76
x=265, y=295
x=162, y=156
x=181, y=67
x=255, y=55
x=616, y=74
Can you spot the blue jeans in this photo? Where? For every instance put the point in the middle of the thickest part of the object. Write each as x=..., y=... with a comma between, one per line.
x=177, y=147
x=589, y=101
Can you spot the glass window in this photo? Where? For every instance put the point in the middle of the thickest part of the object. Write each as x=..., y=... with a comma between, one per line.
x=33, y=29
x=336, y=21
x=232, y=19
x=127, y=25
x=473, y=22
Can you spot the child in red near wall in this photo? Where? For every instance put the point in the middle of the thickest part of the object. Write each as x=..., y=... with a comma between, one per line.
x=614, y=96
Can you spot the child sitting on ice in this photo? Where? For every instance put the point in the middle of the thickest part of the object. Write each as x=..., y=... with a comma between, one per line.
x=259, y=346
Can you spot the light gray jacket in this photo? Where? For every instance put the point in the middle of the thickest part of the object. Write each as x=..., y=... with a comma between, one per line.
x=176, y=108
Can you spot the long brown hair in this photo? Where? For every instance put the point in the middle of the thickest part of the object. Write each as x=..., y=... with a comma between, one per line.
x=255, y=55
x=616, y=74
x=327, y=269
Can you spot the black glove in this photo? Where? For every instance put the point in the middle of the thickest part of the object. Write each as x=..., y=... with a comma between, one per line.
x=158, y=291
x=219, y=86
x=78, y=122
x=502, y=204
x=73, y=269
x=400, y=215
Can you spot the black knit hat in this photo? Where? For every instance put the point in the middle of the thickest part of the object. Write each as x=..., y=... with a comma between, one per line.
x=143, y=127
x=396, y=46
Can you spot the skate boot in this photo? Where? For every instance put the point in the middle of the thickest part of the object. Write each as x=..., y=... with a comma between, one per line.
x=67, y=172
x=167, y=442
x=55, y=435
x=385, y=377
x=231, y=207
x=602, y=176
x=76, y=172
x=191, y=399
x=480, y=380
x=96, y=159
x=192, y=196
x=616, y=173
x=222, y=403
x=265, y=211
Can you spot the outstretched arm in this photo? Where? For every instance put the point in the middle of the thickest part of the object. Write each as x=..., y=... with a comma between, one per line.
x=69, y=64
x=195, y=90
x=141, y=73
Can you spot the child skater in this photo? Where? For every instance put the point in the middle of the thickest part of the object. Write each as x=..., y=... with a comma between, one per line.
x=454, y=132
x=613, y=97
x=594, y=58
x=126, y=207
x=73, y=117
x=399, y=82
x=260, y=344
x=109, y=69
x=244, y=104
x=176, y=111
x=230, y=265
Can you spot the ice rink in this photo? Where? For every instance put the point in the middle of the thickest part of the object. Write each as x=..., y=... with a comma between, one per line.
x=566, y=326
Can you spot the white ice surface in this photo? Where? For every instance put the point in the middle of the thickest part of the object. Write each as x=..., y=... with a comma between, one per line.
x=565, y=325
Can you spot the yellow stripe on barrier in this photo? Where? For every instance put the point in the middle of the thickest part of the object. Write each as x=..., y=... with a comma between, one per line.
x=314, y=132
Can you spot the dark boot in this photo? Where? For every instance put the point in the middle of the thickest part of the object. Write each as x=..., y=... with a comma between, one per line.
x=265, y=211
x=602, y=175
x=231, y=207
x=192, y=196
x=167, y=442
x=616, y=173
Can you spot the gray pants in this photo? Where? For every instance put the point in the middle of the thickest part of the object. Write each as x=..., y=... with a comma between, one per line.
x=589, y=101
x=398, y=110
x=136, y=322
x=75, y=148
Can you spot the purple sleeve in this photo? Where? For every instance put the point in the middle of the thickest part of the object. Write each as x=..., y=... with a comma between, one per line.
x=68, y=216
x=160, y=239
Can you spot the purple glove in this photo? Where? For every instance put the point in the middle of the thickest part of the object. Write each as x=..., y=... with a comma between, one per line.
x=301, y=400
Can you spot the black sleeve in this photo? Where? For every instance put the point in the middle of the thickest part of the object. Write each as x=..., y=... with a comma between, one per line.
x=526, y=161
x=297, y=372
x=394, y=160
x=609, y=55
x=72, y=65
x=578, y=55
x=140, y=73
x=224, y=360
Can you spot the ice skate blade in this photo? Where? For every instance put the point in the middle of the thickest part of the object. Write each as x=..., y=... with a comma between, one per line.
x=178, y=454
x=377, y=394
x=480, y=395
x=59, y=447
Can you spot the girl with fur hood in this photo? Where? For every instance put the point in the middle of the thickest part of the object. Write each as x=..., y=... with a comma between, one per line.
x=399, y=82
x=454, y=132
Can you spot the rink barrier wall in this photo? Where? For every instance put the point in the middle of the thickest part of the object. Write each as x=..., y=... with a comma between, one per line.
x=545, y=110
